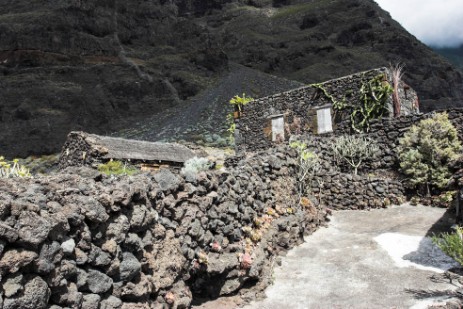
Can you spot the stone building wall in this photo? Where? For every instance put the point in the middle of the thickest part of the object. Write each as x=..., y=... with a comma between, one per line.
x=254, y=127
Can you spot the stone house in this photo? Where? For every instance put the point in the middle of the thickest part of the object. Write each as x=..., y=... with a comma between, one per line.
x=320, y=108
x=91, y=150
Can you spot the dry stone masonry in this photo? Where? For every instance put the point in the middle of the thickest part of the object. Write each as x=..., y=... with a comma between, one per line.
x=254, y=127
x=79, y=239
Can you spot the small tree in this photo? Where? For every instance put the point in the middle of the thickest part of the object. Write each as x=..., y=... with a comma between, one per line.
x=238, y=103
x=308, y=165
x=354, y=150
x=426, y=150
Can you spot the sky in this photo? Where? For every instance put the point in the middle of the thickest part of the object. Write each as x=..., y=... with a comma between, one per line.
x=437, y=23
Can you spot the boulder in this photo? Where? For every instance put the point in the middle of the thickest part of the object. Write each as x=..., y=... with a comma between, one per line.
x=34, y=296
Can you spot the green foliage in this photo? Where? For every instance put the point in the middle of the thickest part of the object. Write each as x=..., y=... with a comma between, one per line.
x=308, y=165
x=114, y=167
x=354, y=150
x=451, y=244
x=239, y=102
x=10, y=169
x=444, y=199
x=426, y=150
x=373, y=98
x=231, y=127
x=337, y=105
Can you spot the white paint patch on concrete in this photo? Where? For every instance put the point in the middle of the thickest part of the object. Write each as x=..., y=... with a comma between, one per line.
x=436, y=301
x=415, y=251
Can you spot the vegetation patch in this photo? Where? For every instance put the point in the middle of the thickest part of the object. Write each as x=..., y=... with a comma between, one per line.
x=114, y=167
x=10, y=169
x=426, y=151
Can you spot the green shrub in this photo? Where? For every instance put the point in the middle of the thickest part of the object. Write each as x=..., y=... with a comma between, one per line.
x=12, y=169
x=308, y=165
x=354, y=150
x=114, y=167
x=196, y=165
x=444, y=199
x=451, y=244
x=426, y=150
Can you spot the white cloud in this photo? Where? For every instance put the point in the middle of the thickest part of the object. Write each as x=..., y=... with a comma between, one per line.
x=434, y=22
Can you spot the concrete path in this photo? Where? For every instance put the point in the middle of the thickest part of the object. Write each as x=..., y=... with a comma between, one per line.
x=364, y=259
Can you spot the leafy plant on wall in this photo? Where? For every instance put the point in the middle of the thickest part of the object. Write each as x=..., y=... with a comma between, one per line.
x=374, y=95
x=373, y=98
x=238, y=103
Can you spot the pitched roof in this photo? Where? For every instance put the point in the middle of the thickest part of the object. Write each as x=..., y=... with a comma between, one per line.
x=123, y=149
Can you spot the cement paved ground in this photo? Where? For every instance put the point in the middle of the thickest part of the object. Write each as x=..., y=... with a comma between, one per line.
x=364, y=259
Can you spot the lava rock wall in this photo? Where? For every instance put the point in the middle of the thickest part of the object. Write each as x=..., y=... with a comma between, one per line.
x=254, y=125
x=83, y=240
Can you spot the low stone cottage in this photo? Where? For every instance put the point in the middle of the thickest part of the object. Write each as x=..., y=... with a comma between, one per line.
x=320, y=108
x=83, y=148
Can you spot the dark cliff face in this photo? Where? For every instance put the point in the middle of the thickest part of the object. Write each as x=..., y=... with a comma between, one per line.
x=99, y=65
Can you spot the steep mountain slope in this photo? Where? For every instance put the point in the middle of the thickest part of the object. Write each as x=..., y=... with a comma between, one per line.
x=453, y=54
x=317, y=40
x=100, y=66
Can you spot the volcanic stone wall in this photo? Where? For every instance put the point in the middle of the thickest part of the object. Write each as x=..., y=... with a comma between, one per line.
x=346, y=191
x=79, y=239
x=387, y=132
x=254, y=125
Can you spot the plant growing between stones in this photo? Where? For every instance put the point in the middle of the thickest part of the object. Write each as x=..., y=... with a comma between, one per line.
x=373, y=97
x=115, y=167
x=354, y=150
x=426, y=151
x=12, y=169
x=308, y=165
x=372, y=102
x=451, y=244
x=193, y=166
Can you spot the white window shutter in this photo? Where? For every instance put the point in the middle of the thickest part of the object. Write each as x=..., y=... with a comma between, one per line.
x=278, y=128
x=324, y=120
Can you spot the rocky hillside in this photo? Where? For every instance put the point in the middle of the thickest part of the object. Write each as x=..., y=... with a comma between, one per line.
x=103, y=65
x=453, y=54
